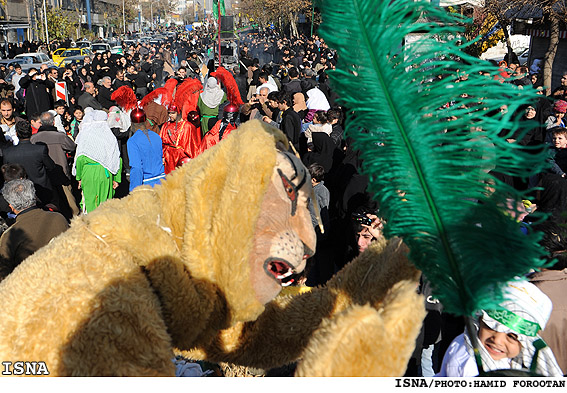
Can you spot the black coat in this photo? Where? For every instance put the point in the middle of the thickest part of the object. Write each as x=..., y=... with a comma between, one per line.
x=74, y=86
x=104, y=97
x=118, y=84
x=292, y=87
x=291, y=126
x=38, y=97
x=38, y=165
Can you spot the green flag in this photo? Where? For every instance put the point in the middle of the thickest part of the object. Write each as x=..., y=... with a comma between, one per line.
x=216, y=8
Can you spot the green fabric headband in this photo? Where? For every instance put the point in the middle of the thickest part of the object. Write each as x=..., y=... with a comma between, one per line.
x=514, y=322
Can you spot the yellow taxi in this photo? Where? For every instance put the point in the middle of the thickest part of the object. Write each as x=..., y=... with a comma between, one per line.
x=72, y=52
x=56, y=55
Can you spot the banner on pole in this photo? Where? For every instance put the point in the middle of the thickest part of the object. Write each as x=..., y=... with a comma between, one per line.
x=216, y=8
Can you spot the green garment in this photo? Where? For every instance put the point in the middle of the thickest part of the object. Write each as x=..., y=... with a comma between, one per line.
x=207, y=113
x=96, y=182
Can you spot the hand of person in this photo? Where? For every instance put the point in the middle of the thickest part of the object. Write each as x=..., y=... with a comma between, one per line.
x=114, y=185
x=266, y=119
x=375, y=227
x=79, y=184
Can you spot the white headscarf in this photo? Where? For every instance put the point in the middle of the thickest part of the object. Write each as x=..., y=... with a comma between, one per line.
x=525, y=311
x=118, y=118
x=97, y=142
x=317, y=100
x=212, y=93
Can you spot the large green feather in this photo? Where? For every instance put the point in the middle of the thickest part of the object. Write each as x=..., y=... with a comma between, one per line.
x=430, y=175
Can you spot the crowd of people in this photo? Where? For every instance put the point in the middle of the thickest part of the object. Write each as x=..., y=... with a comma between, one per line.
x=63, y=158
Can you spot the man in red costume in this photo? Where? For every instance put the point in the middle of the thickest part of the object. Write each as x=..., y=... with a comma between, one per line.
x=222, y=128
x=181, y=139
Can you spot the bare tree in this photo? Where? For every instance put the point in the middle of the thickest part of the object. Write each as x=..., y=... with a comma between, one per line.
x=503, y=11
x=277, y=11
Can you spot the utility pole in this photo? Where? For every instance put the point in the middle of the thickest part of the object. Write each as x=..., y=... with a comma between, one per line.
x=312, y=16
x=89, y=22
x=124, y=16
x=45, y=20
x=151, y=16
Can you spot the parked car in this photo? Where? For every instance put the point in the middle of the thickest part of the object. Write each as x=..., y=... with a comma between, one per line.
x=56, y=55
x=129, y=43
x=21, y=62
x=72, y=52
x=79, y=60
x=26, y=64
x=100, y=47
x=37, y=59
x=83, y=44
x=116, y=50
x=523, y=56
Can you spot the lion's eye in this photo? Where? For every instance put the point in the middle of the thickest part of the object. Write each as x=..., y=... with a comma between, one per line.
x=290, y=191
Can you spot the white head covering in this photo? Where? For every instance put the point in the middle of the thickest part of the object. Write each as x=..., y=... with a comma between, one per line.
x=212, y=93
x=317, y=100
x=96, y=141
x=525, y=311
x=117, y=118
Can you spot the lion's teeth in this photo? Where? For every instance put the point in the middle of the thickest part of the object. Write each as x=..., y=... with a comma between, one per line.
x=289, y=273
x=286, y=284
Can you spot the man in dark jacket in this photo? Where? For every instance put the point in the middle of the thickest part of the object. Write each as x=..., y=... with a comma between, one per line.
x=245, y=61
x=35, y=160
x=291, y=122
x=294, y=84
x=87, y=99
x=141, y=82
x=33, y=229
x=119, y=81
x=58, y=146
x=104, y=95
x=37, y=89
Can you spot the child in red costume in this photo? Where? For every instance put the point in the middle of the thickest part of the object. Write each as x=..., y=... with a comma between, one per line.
x=221, y=129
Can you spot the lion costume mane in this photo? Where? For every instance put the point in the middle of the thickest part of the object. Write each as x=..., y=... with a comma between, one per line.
x=193, y=266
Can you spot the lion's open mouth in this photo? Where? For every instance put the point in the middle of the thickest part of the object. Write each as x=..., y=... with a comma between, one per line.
x=281, y=270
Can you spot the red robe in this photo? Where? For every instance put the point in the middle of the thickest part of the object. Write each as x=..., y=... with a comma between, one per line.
x=180, y=139
x=211, y=138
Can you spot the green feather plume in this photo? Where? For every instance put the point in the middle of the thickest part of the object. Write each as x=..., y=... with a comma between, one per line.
x=429, y=174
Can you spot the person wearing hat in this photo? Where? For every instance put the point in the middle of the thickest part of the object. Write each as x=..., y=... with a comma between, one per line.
x=556, y=119
x=178, y=135
x=144, y=147
x=222, y=128
x=507, y=337
x=97, y=166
